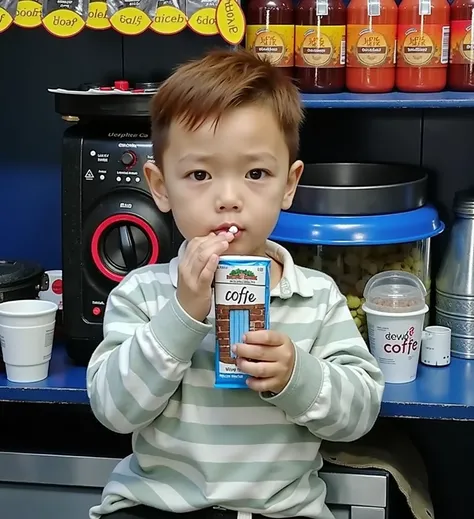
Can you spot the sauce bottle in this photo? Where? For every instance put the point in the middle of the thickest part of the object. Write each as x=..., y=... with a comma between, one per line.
x=461, y=55
x=371, y=45
x=423, y=45
x=270, y=32
x=320, y=45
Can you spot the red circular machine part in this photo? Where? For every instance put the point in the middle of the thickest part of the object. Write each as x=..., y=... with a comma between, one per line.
x=96, y=310
x=112, y=220
x=57, y=286
x=128, y=159
x=121, y=85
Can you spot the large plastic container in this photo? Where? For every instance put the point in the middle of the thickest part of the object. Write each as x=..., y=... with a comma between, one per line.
x=352, y=249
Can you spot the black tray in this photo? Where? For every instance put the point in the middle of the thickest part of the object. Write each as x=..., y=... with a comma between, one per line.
x=352, y=189
x=103, y=106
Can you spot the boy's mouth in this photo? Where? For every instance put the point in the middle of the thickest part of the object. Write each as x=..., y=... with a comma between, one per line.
x=229, y=227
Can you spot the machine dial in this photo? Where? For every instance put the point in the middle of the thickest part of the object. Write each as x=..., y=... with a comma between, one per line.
x=123, y=242
x=126, y=247
x=128, y=159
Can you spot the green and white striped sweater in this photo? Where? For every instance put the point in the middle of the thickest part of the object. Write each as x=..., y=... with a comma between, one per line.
x=195, y=446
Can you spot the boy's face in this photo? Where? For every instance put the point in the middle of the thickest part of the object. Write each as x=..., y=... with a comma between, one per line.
x=233, y=174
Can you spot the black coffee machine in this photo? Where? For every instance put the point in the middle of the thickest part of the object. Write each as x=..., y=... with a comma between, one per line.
x=110, y=224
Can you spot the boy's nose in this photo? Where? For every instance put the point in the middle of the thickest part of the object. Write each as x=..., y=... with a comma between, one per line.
x=228, y=205
x=228, y=200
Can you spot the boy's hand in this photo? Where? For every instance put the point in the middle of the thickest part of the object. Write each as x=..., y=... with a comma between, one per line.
x=196, y=273
x=274, y=354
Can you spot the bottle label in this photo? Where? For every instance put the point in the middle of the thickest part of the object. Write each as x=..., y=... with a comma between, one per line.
x=98, y=18
x=424, y=45
x=274, y=43
x=6, y=19
x=371, y=46
x=320, y=46
x=462, y=42
x=322, y=7
x=28, y=14
x=373, y=7
x=424, y=7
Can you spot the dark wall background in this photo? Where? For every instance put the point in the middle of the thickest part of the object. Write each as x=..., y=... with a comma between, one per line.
x=30, y=154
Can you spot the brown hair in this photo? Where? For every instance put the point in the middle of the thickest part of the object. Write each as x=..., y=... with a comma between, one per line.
x=218, y=82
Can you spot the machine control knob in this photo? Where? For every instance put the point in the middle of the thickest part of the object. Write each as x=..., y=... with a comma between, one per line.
x=128, y=159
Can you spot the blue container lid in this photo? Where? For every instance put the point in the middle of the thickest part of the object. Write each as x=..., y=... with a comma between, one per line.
x=385, y=229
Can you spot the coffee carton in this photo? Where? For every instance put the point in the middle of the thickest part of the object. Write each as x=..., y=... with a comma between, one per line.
x=242, y=301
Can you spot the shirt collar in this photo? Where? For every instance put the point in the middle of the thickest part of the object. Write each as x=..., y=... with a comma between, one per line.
x=293, y=281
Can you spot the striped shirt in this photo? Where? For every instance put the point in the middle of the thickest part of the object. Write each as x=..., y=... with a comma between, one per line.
x=196, y=446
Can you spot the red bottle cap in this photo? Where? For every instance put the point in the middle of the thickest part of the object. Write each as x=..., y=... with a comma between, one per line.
x=121, y=85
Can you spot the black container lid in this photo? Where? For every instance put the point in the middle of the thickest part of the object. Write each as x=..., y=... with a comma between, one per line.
x=16, y=273
x=355, y=189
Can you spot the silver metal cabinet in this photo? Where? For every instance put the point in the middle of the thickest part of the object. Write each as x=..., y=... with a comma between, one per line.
x=53, y=486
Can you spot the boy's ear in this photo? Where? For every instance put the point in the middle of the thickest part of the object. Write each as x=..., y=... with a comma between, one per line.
x=294, y=175
x=156, y=183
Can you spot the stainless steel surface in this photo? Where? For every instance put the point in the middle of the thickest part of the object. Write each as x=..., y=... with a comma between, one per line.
x=347, y=189
x=55, y=469
x=455, y=280
x=363, y=512
x=19, y=501
x=356, y=489
x=462, y=332
x=345, y=487
x=55, y=502
x=341, y=513
x=464, y=203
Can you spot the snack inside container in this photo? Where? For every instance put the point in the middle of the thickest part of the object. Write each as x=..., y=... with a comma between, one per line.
x=395, y=291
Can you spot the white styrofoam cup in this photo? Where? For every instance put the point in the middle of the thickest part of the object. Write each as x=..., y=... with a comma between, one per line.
x=26, y=338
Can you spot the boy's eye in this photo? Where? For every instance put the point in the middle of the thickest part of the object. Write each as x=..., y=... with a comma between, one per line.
x=199, y=175
x=256, y=174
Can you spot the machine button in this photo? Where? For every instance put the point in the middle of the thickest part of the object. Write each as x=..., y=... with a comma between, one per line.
x=118, y=179
x=96, y=310
x=128, y=159
x=137, y=179
x=127, y=179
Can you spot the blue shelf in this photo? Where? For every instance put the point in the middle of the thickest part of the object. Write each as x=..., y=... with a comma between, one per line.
x=437, y=393
x=391, y=100
x=66, y=384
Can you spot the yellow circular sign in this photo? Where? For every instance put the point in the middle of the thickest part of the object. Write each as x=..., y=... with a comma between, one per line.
x=168, y=20
x=6, y=19
x=28, y=14
x=418, y=49
x=230, y=21
x=203, y=22
x=130, y=21
x=317, y=50
x=466, y=48
x=269, y=45
x=97, y=18
x=63, y=23
x=372, y=49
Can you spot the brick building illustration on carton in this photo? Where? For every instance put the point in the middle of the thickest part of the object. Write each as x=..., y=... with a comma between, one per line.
x=240, y=306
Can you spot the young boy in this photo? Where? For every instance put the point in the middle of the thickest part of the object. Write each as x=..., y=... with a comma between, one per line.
x=225, y=135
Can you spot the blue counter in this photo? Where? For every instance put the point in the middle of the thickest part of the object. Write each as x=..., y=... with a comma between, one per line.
x=437, y=393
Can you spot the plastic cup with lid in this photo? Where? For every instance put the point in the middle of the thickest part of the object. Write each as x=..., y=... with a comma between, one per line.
x=395, y=307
